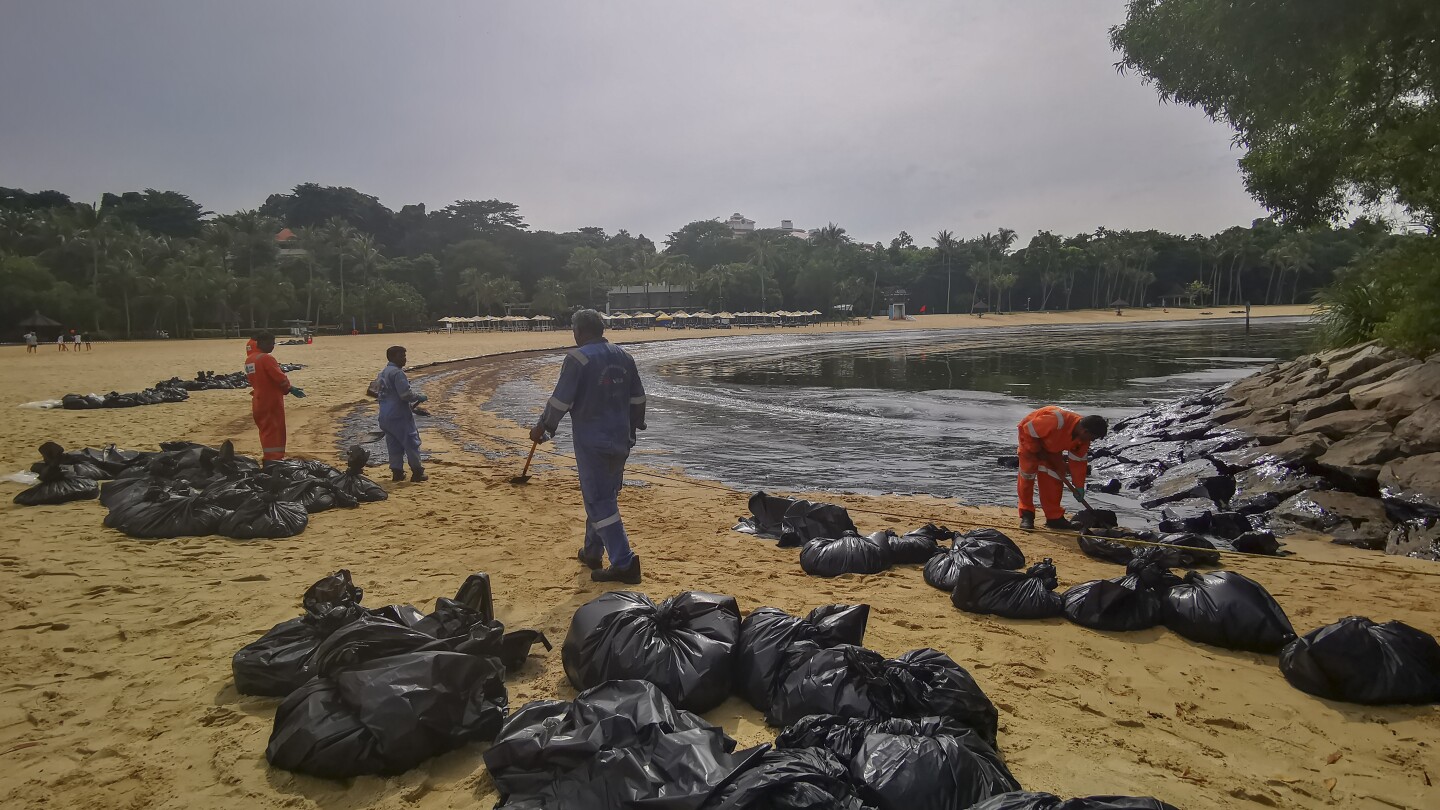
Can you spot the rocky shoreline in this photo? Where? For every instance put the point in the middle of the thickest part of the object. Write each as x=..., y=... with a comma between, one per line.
x=1344, y=443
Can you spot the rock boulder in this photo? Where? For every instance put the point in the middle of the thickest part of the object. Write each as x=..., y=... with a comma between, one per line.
x=1366, y=357
x=1420, y=431
x=1201, y=478
x=1418, y=538
x=1295, y=450
x=1343, y=424
x=1359, y=457
x=1415, y=479
x=1262, y=488
x=1352, y=520
x=1381, y=372
x=1401, y=394
x=1308, y=409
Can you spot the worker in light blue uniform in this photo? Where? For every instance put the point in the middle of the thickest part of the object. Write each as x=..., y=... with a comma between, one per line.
x=397, y=417
x=600, y=388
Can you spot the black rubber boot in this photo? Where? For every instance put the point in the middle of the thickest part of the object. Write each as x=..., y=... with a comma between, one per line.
x=1027, y=521
x=1061, y=524
x=418, y=474
x=592, y=563
x=630, y=574
x=397, y=475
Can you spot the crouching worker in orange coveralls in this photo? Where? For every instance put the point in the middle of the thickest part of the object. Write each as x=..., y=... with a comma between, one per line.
x=268, y=387
x=1052, y=441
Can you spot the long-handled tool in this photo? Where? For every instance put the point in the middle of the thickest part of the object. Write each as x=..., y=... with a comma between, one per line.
x=524, y=476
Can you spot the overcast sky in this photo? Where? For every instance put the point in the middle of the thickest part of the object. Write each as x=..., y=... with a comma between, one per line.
x=878, y=116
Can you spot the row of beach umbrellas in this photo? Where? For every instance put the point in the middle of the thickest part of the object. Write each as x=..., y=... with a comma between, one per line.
x=506, y=323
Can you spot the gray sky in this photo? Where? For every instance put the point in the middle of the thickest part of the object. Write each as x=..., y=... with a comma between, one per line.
x=879, y=116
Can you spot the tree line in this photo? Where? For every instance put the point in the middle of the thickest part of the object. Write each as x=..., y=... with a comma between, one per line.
x=139, y=262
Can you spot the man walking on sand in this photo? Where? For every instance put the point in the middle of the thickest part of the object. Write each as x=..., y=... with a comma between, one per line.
x=397, y=419
x=60, y=341
x=268, y=387
x=32, y=342
x=75, y=339
x=600, y=388
x=1052, y=442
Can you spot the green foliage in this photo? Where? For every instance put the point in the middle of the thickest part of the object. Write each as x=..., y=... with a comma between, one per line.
x=164, y=213
x=1393, y=295
x=1334, y=100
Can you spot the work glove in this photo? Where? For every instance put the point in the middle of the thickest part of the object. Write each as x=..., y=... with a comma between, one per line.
x=423, y=398
x=297, y=392
x=537, y=433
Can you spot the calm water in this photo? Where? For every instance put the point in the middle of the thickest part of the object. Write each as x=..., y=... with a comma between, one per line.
x=909, y=412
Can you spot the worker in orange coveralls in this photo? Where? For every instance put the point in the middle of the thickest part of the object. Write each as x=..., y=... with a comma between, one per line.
x=268, y=387
x=1052, y=441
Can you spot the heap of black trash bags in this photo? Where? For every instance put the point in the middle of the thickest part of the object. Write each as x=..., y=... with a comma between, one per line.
x=984, y=571
x=378, y=691
x=171, y=390
x=191, y=490
x=860, y=731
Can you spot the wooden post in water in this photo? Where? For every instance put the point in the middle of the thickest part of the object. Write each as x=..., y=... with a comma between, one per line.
x=1247, y=317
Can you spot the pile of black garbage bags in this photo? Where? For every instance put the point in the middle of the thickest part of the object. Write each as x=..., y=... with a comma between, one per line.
x=171, y=390
x=860, y=731
x=378, y=691
x=191, y=490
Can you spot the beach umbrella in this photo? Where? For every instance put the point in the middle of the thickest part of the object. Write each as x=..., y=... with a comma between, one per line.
x=1119, y=302
x=36, y=320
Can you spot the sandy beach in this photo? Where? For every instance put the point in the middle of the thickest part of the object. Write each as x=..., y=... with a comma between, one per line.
x=115, y=685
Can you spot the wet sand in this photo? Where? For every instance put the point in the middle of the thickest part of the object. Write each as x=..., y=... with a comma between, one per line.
x=115, y=686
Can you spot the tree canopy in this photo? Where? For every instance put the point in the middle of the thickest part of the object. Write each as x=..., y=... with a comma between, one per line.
x=1335, y=101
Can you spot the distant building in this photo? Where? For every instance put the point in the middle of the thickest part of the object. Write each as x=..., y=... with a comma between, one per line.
x=788, y=226
x=289, y=244
x=660, y=297
x=739, y=224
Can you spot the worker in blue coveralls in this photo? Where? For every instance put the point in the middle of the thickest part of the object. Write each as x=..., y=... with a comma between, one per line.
x=397, y=419
x=600, y=388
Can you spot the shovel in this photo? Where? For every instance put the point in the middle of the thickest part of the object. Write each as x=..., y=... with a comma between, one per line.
x=524, y=476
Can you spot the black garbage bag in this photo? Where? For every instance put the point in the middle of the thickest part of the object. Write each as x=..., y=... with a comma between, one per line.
x=618, y=746
x=370, y=637
x=56, y=486
x=1194, y=549
x=1131, y=602
x=1011, y=594
x=387, y=715
x=789, y=779
x=851, y=681
x=1257, y=542
x=685, y=645
x=317, y=496
x=81, y=402
x=805, y=521
x=111, y=460
x=768, y=634
x=233, y=493
x=849, y=553
x=1026, y=800
x=1152, y=565
x=354, y=483
x=1096, y=519
x=263, y=517
x=767, y=515
x=1228, y=610
x=274, y=664
x=160, y=514
x=901, y=764
x=1106, y=550
x=918, y=546
x=988, y=548
x=1358, y=661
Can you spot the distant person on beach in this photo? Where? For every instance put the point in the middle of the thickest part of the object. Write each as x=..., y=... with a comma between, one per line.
x=397, y=417
x=32, y=343
x=75, y=339
x=268, y=387
x=1052, y=442
x=600, y=388
x=60, y=341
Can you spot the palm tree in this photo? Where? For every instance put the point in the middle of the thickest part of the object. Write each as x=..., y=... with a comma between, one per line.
x=549, y=297
x=476, y=284
x=311, y=239
x=646, y=267
x=831, y=235
x=763, y=253
x=945, y=243
x=367, y=258
x=253, y=234
x=587, y=266
x=340, y=237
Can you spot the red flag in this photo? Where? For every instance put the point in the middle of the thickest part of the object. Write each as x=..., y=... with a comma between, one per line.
x=922, y=309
